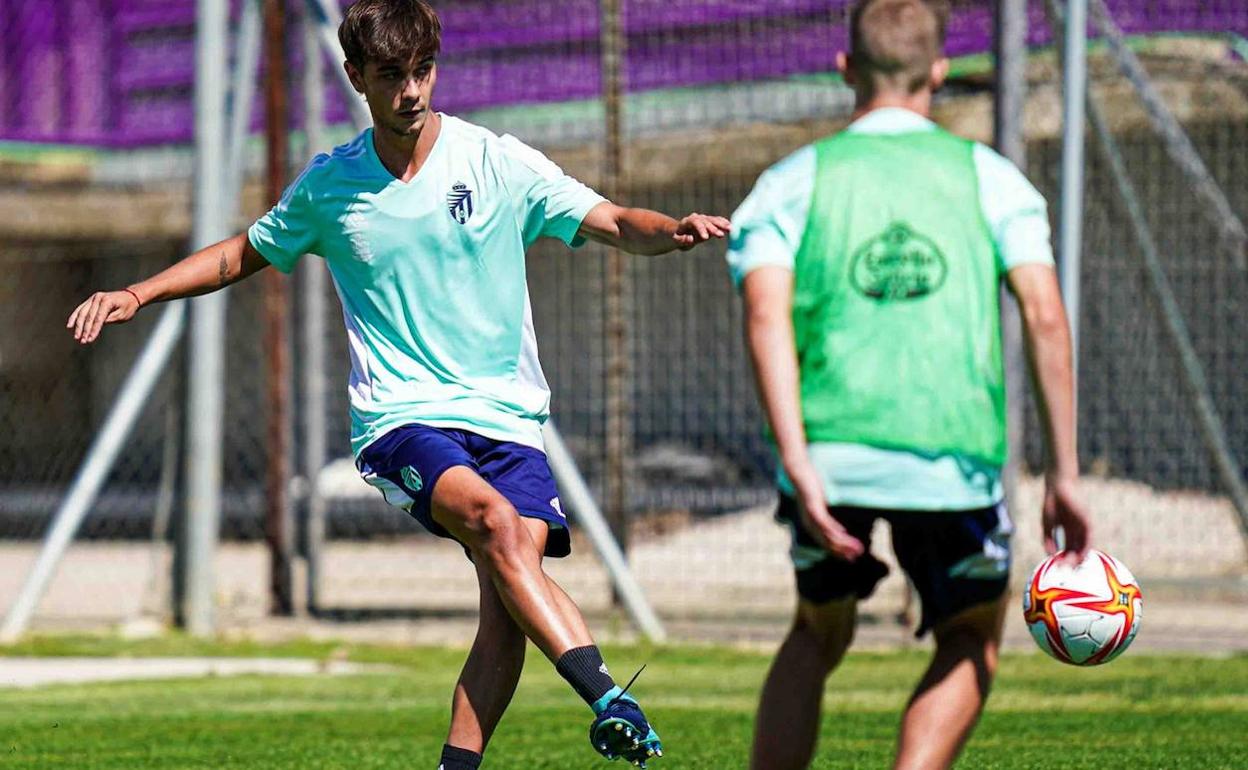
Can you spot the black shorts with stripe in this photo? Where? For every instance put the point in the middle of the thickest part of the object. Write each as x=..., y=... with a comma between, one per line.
x=954, y=559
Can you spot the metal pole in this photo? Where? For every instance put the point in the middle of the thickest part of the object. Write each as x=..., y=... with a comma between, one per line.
x=243, y=91
x=580, y=502
x=278, y=522
x=1180, y=148
x=314, y=331
x=205, y=404
x=1074, y=92
x=1212, y=429
x=103, y=453
x=158, y=600
x=1010, y=44
x=617, y=428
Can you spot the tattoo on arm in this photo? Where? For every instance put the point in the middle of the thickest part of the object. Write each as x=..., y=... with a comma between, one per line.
x=223, y=271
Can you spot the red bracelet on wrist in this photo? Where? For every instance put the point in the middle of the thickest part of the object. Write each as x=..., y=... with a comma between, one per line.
x=136, y=296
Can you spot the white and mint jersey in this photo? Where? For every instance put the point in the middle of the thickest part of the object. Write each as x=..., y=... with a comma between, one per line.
x=431, y=276
x=768, y=228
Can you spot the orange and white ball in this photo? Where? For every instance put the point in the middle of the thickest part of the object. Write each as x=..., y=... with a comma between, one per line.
x=1085, y=614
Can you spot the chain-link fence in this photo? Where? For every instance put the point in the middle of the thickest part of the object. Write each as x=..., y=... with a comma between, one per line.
x=715, y=92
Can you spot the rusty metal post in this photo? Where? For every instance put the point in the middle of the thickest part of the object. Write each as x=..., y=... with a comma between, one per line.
x=618, y=430
x=1010, y=51
x=278, y=517
x=313, y=358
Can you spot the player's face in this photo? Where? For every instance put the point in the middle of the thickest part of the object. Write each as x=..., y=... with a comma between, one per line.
x=398, y=94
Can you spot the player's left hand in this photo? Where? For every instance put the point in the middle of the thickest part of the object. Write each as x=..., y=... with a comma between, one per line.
x=817, y=520
x=1063, y=507
x=103, y=307
x=700, y=228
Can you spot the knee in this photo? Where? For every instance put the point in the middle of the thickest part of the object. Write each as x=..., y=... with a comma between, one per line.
x=495, y=528
x=829, y=638
x=977, y=642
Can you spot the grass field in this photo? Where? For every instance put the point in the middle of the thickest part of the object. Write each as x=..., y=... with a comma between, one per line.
x=1138, y=712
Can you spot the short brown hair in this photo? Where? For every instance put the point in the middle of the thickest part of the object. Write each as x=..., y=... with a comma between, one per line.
x=895, y=42
x=390, y=31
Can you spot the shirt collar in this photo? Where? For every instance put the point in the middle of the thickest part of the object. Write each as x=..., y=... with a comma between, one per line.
x=891, y=120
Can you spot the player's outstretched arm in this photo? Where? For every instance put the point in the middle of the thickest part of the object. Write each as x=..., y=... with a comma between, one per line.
x=642, y=231
x=1047, y=333
x=215, y=267
x=768, y=293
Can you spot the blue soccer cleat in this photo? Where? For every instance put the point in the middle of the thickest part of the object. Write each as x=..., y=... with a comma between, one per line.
x=620, y=729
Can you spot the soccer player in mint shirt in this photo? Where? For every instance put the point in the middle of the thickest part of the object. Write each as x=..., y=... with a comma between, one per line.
x=870, y=264
x=423, y=221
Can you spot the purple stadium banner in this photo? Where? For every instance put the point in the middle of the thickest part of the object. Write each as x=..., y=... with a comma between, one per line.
x=119, y=73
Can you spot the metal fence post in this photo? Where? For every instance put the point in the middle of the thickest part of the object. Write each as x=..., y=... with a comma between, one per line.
x=278, y=519
x=617, y=283
x=243, y=91
x=1074, y=94
x=205, y=407
x=1010, y=44
x=313, y=275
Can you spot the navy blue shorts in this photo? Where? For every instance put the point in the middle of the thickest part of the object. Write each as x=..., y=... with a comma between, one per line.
x=954, y=559
x=406, y=463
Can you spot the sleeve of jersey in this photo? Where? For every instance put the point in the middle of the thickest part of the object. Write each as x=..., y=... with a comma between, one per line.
x=1015, y=211
x=767, y=227
x=289, y=229
x=554, y=204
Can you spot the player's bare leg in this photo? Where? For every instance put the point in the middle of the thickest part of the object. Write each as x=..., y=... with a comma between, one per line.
x=490, y=673
x=483, y=520
x=788, y=716
x=571, y=613
x=502, y=546
x=950, y=696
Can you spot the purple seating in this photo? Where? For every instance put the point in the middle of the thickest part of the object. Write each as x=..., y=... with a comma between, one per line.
x=119, y=73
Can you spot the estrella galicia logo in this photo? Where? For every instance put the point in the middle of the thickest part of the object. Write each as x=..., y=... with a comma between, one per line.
x=411, y=478
x=898, y=264
x=459, y=201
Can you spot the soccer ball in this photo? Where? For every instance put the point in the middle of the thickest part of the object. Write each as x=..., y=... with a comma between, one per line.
x=1084, y=615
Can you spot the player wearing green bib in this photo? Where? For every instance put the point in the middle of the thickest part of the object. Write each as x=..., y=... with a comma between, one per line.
x=871, y=264
x=423, y=221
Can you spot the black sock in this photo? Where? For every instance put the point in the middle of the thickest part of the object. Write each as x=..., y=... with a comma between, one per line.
x=585, y=671
x=455, y=758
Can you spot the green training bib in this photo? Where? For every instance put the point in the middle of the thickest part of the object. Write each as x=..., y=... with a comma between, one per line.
x=896, y=304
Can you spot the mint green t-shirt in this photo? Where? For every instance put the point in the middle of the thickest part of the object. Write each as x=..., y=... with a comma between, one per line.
x=768, y=228
x=431, y=276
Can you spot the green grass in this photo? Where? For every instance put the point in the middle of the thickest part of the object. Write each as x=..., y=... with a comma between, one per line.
x=1140, y=711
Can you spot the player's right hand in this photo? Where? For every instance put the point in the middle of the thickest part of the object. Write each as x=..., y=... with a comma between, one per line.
x=700, y=228
x=1063, y=507
x=821, y=524
x=103, y=307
